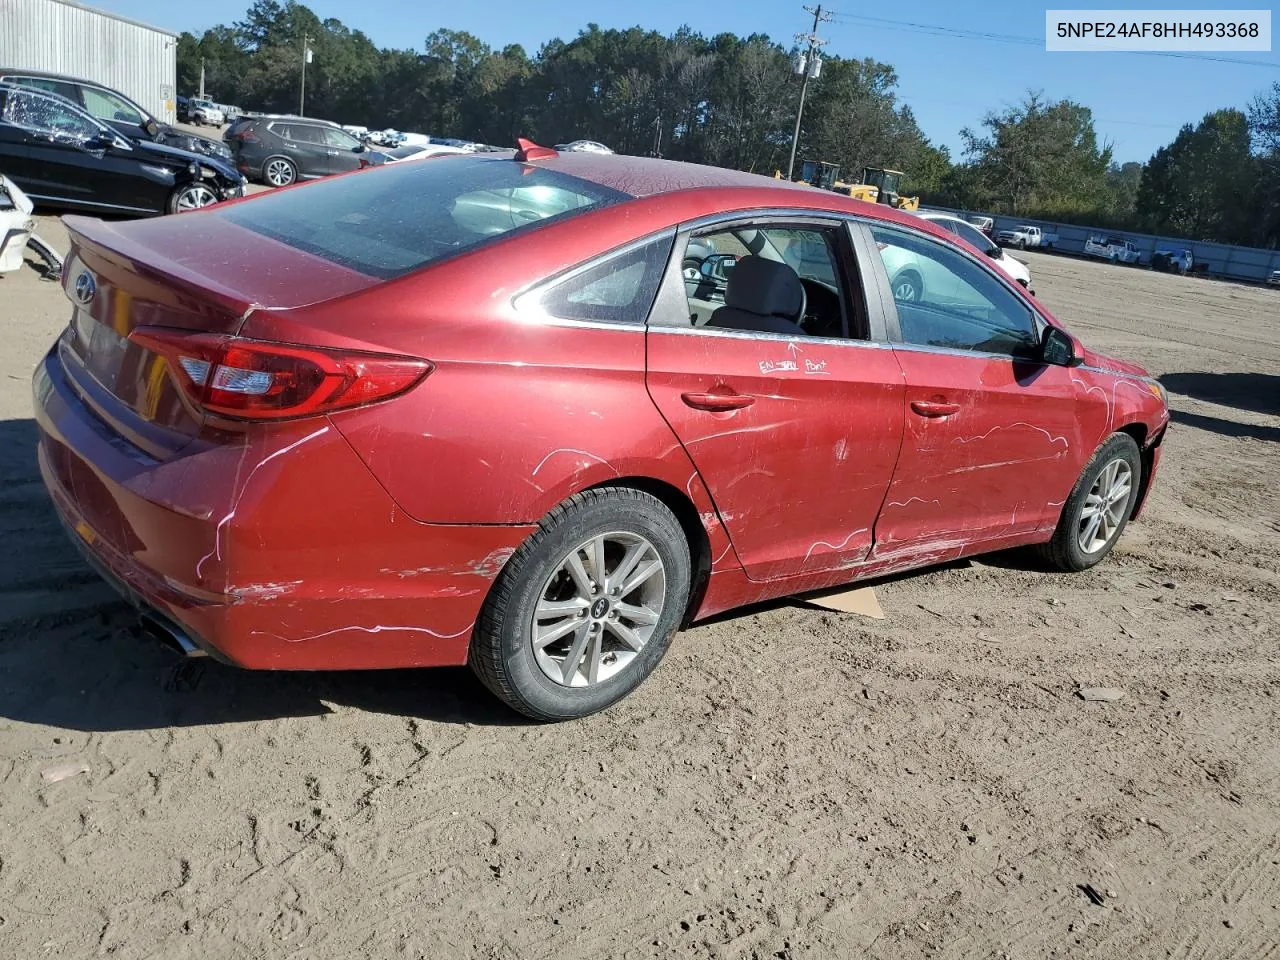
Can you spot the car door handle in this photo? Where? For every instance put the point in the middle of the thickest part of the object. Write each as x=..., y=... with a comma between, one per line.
x=717, y=402
x=934, y=408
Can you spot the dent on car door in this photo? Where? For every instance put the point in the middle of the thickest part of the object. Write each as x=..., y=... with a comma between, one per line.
x=794, y=435
x=992, y=442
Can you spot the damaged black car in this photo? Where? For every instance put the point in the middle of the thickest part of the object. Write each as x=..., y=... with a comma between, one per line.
x=61, y=156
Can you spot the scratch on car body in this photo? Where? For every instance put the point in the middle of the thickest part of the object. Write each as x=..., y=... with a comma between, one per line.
x=909, y=501
x=263, y=591
x=543, y=462
x=1020, y=423
x=833, y=546
x=235, y=502
x=377, y=629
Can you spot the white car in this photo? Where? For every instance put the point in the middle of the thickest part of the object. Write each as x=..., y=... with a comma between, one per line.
x=417, y=151
x=1274, y=279
x=582, y=146
x=206, y=112
x=1016, y=269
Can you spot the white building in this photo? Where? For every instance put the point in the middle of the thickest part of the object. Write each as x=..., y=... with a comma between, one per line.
x=61, y=36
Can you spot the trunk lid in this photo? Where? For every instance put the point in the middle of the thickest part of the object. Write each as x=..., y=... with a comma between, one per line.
x=192, y=272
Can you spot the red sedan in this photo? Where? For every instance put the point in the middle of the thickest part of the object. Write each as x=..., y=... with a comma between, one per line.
x=535, y=412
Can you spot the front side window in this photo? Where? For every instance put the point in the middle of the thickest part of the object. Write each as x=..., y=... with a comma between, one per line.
x=618, y=289
x=107, y=106
x=971, y=235
x=400, y=217
x=946, y=300
x=47, y=116
x=339, y=139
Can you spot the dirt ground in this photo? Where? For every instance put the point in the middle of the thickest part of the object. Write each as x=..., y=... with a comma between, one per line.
x=790, y=782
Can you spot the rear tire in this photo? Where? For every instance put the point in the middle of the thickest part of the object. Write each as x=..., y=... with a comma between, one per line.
x=279, y=172
x=1098, y=510
x=545, y=591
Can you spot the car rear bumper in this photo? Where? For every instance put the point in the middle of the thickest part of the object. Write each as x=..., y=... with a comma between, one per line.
x=295, y=564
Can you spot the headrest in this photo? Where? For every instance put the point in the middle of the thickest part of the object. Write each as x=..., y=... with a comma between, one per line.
x=766, y=287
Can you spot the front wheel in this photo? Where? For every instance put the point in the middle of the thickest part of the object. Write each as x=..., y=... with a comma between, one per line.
x=191, y=196
x=583, y=612
x=1099, y=507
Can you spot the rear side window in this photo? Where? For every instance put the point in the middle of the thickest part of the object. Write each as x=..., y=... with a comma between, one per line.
x=398, y=218
x=616, y=289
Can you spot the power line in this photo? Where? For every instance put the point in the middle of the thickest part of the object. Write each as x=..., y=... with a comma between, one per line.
x=881, y=23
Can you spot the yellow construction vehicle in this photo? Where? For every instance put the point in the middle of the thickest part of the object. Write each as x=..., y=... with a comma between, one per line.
x=878, y=184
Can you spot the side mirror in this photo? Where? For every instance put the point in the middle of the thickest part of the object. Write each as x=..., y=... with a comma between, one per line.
x=358, y=148
x=1057, y=348
x=151, y=127
x=994, y=253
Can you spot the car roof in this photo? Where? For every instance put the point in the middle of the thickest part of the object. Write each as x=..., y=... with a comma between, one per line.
x=648, y=176
x=709, y=189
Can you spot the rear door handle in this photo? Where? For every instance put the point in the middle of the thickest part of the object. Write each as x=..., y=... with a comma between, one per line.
x=717, y=402
x=934, y=408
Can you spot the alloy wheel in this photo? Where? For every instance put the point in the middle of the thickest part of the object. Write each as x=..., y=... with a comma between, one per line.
x=279, y=173
x=194, y=197
x=1104, y=507
x=598, y=609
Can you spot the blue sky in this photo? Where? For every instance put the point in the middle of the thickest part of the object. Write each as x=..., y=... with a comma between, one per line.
x=1138, y=101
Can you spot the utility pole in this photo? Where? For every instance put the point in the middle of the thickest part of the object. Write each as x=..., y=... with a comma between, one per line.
x=302, y=91
x=809, y=64
x=202, y=78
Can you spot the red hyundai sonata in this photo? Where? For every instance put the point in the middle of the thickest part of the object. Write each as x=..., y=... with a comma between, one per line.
x=534, y=412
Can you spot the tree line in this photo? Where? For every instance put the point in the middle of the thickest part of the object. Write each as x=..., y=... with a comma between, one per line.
x=730, y=101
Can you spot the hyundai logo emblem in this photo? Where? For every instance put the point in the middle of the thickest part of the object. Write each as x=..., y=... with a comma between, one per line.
x=85, y=288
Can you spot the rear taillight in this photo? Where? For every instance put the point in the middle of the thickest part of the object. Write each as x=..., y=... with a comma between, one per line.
x=256, y=380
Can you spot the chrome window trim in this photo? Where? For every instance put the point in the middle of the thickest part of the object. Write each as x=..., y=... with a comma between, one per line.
x=803, y=338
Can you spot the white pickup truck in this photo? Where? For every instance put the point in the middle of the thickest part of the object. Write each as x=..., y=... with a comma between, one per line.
x=1024, y=235
x=1115, y=249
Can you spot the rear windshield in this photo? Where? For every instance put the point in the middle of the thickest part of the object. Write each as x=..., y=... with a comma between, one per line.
x=395, y=219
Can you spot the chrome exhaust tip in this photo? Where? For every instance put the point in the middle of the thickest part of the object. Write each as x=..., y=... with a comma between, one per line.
x=171, y=636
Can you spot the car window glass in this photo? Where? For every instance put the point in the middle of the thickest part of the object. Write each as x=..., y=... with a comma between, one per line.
x=48, y=116
x=305, y=133
x=947, y=225
x=414, y=213
x=44, y=83
x=619, y=289
x=811, y=252
x=337, y=138
x=971, y=235
x=107, y=106
x=946, y=300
